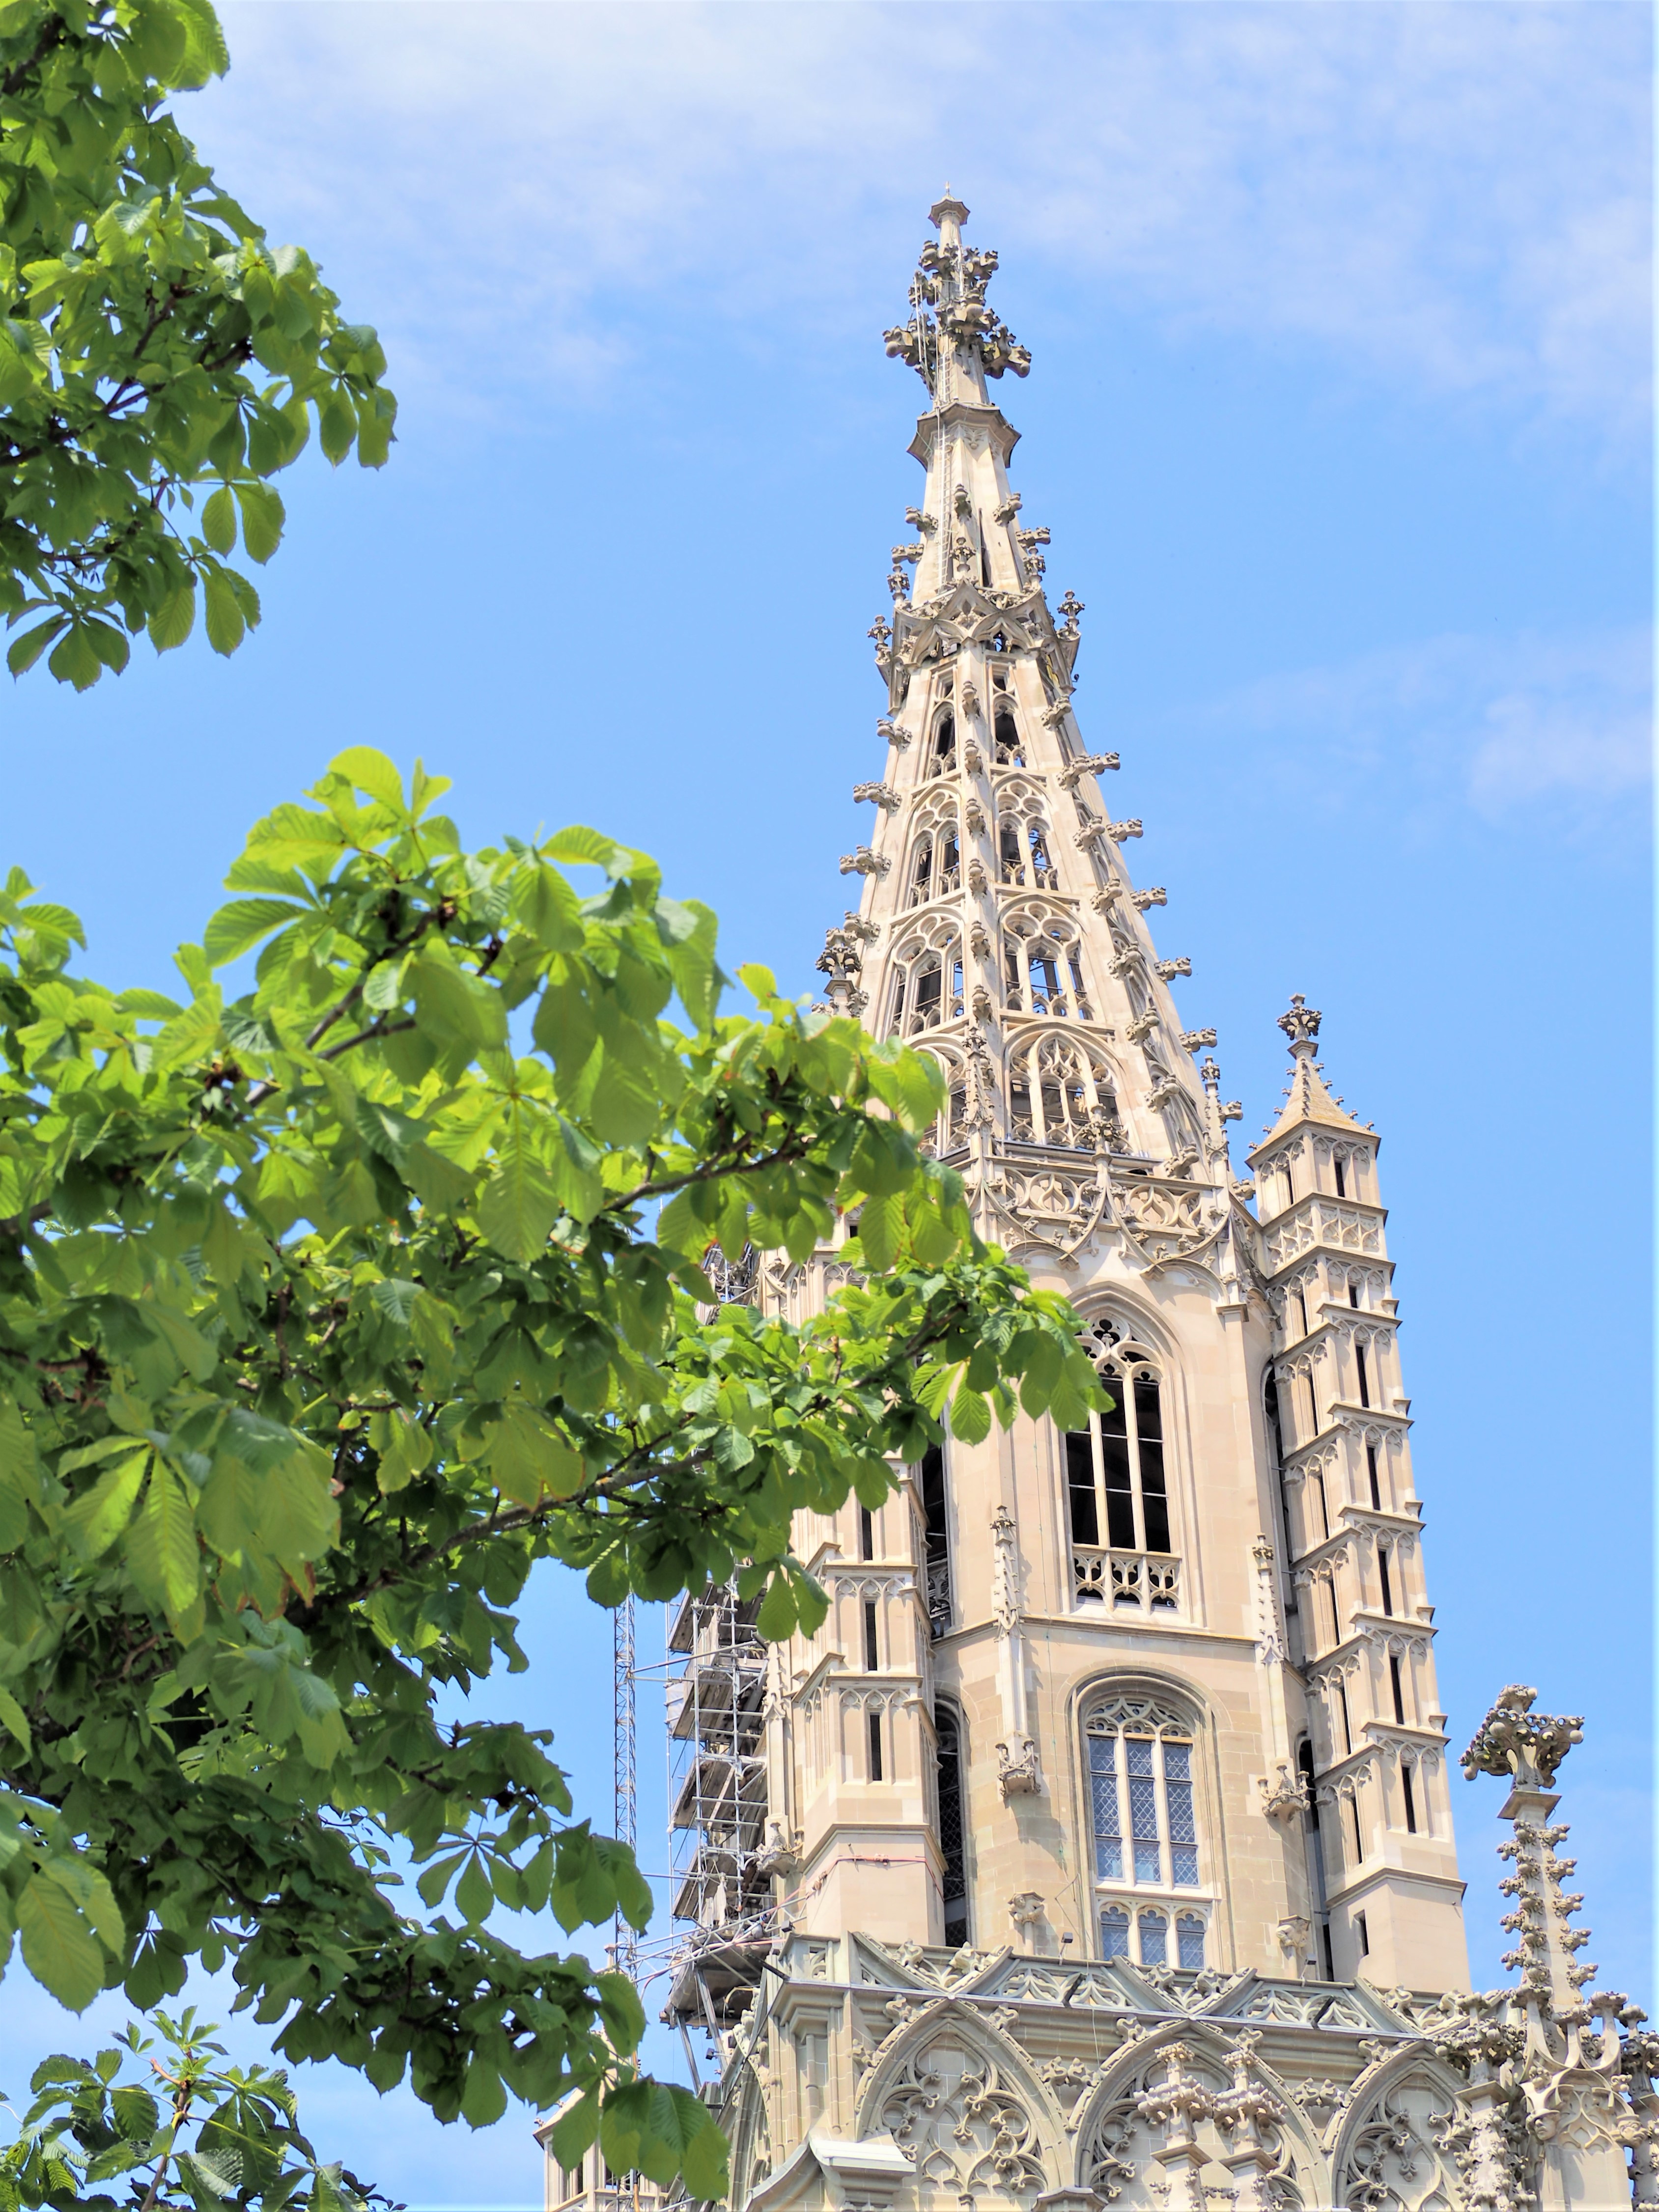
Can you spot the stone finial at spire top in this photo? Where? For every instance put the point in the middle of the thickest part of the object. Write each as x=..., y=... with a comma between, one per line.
x=947, y=216
x=1514, y=1740
x=1301, y=1025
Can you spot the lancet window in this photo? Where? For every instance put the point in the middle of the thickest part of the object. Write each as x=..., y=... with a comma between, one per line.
x=952, y=1823
x=942, y=759
x=1022, y=844
x=1059, y=1094
x=1139, y=1752
x=1043, y=967
x=1005, y=738
x=935, y=865
x=927, y=982
x=1115, y=1476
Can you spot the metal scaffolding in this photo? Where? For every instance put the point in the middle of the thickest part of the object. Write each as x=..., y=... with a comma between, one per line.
x=625, y=1769
x=717, y=1807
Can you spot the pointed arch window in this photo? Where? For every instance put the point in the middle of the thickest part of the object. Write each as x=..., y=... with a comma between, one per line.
x=1139, y=1752
x=928, y=984
x=1115, y=1475
x=953, y=1821
x=936, y=865
x=1005, y=738
x=943, y=758
x=1059, y=1094
x=1042, y=970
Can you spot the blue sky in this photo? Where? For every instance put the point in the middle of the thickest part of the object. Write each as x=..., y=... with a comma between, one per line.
x=1340, y=420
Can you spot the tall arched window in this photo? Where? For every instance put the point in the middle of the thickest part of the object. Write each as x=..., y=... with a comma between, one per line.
x=1043, y=966
x=953, y=1822
x=1004, y=733
x=1115, y=1474
x=944, y=759
x=936, y=863
x=1138, y=1750
x=927, y=982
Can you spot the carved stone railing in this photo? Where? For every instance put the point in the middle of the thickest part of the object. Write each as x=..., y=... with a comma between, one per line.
x=1149, y=1581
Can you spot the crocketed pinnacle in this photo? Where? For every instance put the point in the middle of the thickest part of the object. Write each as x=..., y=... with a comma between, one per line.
x=1308, y=1100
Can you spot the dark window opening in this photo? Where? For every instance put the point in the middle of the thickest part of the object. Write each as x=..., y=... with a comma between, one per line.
x=1388, y=1586
x=1347, y=1725
x=1398, y=1687
x=875, y=1747
x=1336, y=1618
x=1354, y=1294
x=1330, y=1957
x=1302, y=1308
x=871, y=1641
x=1359, y=1840
x=1341, y=1187
x=1365, y=1379
x=1364, y=1935
x=1006, y=734
x=867, y=1533
x=1411, y=1799
x=1371, y=1475
x=1324, y=1508
x=952, y=1826
x=1313, y=1406
x=1080, y=1486
x=935, y=1529
x=945, y=744
x=984, y=560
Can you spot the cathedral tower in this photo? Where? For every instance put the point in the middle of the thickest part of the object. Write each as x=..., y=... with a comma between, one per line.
x=1101, y=1840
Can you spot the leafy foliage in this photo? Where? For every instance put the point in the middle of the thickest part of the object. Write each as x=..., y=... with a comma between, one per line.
x=154, y=349
x=216, y=2137
x=324, y=1313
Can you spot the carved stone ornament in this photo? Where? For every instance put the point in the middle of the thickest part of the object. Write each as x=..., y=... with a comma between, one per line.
x=1514, y=1740
x=1090, y=764
x=883, y=795
x=1169, y=970
x=864, y=862
x=1018, y=1772
x=1301, y=1023
x=1283, y=1794
x=1117, y=831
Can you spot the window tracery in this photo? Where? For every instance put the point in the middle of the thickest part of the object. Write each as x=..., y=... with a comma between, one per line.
x=927, y=980
x=1022, y=845
x=1138, y=1751
x=1042, y=965
x=1059, y=1093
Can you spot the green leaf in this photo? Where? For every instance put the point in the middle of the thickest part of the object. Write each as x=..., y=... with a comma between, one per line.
x=95, y=1519
x=162, y=1551
x=518, y=1205
x=174, y=618
x=241, y=925
x=226, y=626
x=15, y=1721
x=576, y=2129
x=23, y=651
x=75, y=659
x=263, y=517
x=473, y=1895
x=371, y=772
x=218, y=520
x=59, y=1948
x=970, y=1417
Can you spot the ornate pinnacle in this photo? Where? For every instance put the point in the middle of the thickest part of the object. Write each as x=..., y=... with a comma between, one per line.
x=1301, y=1023
x=1514, y=1740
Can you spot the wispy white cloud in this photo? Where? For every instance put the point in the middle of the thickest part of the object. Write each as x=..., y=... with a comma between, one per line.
x=1450, y=193
x=1503, y=723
